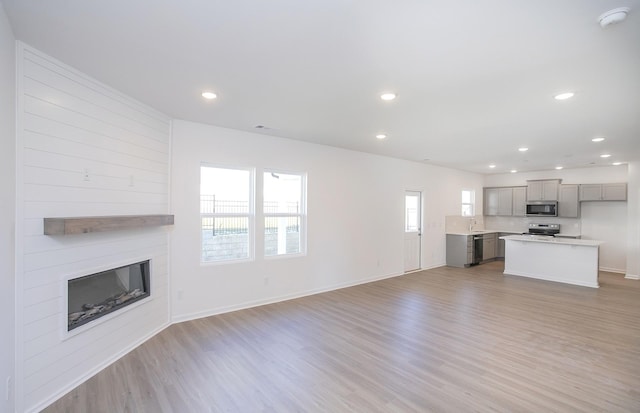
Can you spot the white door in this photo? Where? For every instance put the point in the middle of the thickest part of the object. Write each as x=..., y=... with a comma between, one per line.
x=412, y=230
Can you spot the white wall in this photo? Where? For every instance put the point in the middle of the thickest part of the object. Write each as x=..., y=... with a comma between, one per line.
x=605, y=221
x=355, y=218
x=633, y=222
x=7, y=207
x=69, y=124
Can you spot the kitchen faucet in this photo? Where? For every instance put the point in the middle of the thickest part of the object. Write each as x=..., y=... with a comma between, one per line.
x=471, y=223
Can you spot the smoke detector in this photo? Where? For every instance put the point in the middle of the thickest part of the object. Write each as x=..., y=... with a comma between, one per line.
x=613, y=16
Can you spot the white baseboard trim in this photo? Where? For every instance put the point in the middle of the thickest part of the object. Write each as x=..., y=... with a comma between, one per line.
x=632, y=276
x=616, y=270
x=106, y=363
x=277, y=299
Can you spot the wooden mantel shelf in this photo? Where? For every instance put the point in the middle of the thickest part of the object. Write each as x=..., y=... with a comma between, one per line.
x=83, y=225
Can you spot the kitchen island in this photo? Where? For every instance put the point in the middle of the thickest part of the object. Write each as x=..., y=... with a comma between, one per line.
x=571, y=261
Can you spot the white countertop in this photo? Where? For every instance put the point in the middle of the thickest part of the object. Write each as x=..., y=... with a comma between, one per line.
x=552, y=240
x=509, y=231
x=485, y=231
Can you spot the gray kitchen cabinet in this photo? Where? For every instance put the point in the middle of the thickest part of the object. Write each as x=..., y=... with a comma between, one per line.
x=519, y=198
x=491, y=201
x=498, y=201
x=614, y=192
x=489, y=247
x=603, y=192
x=459, y=250
x=505, y=201
x=500, y=244
x=543, y=190
x=591, y=192
x=568, y=204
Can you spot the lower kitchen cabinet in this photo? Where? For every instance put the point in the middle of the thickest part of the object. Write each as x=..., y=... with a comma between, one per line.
x=459, y=250
x=489, y=245
x=500, y=244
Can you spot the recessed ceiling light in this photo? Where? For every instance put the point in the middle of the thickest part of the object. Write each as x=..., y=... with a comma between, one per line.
x=563, y=96
x=381, y=136
x=616, y=163
x=597, y=139
x=523, y=149
x=388, y=96
x=209, y=95
x=513, y=171
x=559, y=167
x=613, y=16
x=492, y=166
x=605, y=155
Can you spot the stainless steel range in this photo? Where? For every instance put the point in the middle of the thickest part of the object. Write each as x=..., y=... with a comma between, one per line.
x=543, y=229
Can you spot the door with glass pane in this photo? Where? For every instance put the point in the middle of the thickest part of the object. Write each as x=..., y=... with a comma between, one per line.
x=412, y=230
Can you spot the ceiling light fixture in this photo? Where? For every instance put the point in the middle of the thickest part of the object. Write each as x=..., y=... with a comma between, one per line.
x=564, y=96
x=605, y=155
x=597, y=139
x=613, y=16
x=513, y=171
x=381, y=136
x=559, y=167
x=388, y=96
x=209, y=95
x=492, y=166
x=523, y=149
x=616, y=163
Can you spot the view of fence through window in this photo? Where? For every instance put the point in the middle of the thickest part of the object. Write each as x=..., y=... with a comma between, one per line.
x=283, y=213
x=227, y=215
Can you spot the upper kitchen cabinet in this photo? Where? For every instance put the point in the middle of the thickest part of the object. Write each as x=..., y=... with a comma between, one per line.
x=568, y=205
x=603, y=192
x=544, y=190
x=491, y=198
x=519, y=207
x=498, y=201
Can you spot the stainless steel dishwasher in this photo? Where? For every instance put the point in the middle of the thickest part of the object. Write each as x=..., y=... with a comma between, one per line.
x=478, y=240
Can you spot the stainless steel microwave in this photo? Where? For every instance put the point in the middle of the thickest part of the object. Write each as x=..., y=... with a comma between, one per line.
x=542, y=209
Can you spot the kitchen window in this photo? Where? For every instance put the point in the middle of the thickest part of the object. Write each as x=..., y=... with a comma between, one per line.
x=226, y=214
x=468, y=202
x=284, y=212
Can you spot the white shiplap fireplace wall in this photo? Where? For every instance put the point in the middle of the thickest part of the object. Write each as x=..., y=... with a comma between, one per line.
x=83, y=150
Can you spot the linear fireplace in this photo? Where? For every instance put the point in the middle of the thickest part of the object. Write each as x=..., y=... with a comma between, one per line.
x=93, y=296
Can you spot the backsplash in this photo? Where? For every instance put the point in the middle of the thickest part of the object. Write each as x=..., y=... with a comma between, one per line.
x=457, y=223
x=521, y=224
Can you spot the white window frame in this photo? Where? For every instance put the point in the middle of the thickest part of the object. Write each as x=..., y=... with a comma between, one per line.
x=302, y=214
x=250, y=215
x=471, y=205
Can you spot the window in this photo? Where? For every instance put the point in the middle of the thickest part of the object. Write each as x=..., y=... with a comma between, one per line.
x=226, y=214
x=468, y=202
x=412, y=212
x=284, y=213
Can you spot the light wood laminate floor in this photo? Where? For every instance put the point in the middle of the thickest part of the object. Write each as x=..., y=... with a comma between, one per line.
x=442, y=340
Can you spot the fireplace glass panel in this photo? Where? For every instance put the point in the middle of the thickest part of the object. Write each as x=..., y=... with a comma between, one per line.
x=93, y=296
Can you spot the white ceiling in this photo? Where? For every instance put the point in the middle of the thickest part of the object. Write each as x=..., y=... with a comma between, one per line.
x=475, y=79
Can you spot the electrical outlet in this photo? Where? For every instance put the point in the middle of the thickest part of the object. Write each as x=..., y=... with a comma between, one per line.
x=85, y=174
x=266, y=280
x=180, y=294
x=131, y=181
x=8, y=395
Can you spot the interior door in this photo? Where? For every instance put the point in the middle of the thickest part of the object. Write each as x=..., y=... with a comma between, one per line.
x=412, y=230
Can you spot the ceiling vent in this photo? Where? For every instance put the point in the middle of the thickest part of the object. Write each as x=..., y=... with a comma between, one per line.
x=613, y=16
